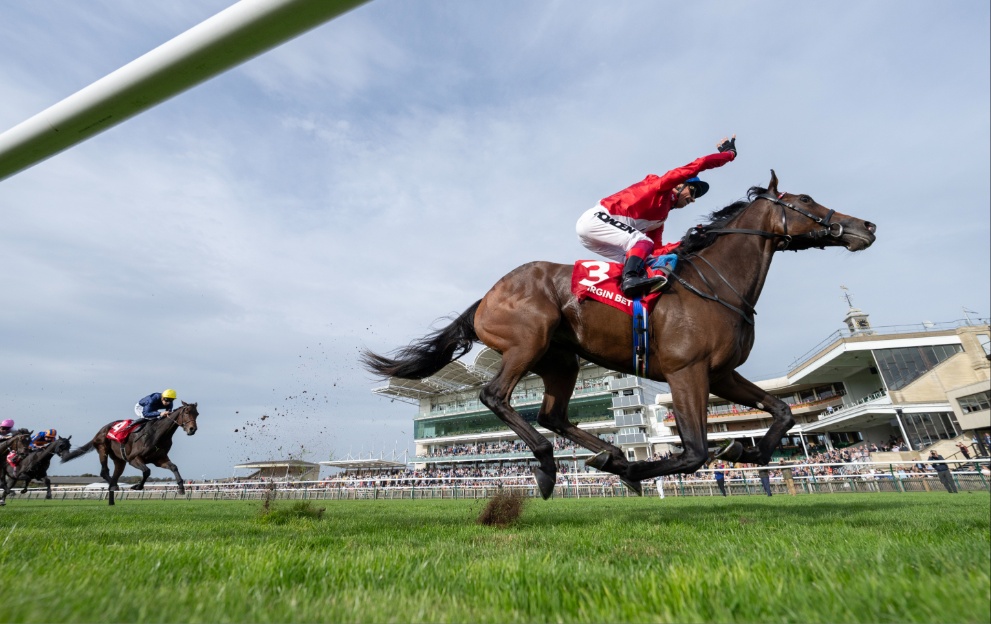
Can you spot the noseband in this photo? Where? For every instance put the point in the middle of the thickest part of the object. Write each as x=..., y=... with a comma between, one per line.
x=828, y=230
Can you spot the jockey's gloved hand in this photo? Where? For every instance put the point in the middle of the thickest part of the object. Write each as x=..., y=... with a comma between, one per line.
x=728, y=145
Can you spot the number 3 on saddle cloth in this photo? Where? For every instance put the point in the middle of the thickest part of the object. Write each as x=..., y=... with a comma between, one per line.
x=599, y=280
x=121, y=429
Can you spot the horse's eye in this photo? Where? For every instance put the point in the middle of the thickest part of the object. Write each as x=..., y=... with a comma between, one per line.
x=805, y=198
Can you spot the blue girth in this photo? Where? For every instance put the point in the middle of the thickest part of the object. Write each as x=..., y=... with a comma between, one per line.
x=640, y=338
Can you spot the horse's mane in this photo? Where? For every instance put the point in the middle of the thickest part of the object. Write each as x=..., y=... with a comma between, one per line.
x=701, y=236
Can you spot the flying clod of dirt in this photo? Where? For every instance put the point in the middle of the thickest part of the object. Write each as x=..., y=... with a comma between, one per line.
x=503, y=509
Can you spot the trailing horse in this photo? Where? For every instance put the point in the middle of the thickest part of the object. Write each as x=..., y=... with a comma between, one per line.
x=701, y=331
x=149, y=445
x=33, y=465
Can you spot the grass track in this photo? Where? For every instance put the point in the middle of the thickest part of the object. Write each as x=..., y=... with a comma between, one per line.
x=823, y=558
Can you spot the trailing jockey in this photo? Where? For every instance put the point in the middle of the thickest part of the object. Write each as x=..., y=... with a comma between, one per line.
x=6, y=429
x=155, y=405
x=626, y=227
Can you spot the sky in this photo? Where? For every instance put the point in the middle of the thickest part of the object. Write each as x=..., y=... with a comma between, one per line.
x=245, y=240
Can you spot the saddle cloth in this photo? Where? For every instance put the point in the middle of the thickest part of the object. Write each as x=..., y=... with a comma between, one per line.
x=599, y=280
x=121, y=429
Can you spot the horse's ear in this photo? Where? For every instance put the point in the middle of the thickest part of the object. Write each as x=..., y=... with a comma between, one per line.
x=772, y=186
x=184, y=404
x=69, y=438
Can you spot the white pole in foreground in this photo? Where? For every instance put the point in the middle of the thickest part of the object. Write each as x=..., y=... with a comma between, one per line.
x=227, y=39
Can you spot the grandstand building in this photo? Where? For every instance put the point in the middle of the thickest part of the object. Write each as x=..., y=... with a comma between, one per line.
x=915, y=386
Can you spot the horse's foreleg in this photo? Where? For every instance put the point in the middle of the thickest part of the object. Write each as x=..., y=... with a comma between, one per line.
x=145, y=473
x=167, y=464
x=559, y=370
x=690, y=391
x=48, y=487
x=734, y=387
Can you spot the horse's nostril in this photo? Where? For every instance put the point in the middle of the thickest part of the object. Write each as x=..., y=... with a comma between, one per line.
x=870, y=227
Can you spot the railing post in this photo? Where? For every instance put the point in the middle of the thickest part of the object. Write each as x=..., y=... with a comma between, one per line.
x=899, y=486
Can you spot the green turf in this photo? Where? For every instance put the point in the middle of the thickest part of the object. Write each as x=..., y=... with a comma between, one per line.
x=824, y=558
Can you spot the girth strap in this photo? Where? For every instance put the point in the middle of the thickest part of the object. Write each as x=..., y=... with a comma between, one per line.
x=640, y=336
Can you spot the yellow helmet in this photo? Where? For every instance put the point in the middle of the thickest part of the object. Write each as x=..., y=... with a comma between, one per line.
x=168, y=394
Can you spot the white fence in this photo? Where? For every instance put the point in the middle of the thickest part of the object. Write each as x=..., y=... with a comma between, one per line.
x=820, y=478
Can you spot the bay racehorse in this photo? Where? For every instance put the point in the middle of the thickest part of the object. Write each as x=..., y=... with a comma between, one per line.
x=33, y=466
x=701, y=331
x=149, y=445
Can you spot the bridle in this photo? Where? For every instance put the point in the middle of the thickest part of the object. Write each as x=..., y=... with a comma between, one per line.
x=184, y=409
x=828, y=229
x=746, y=309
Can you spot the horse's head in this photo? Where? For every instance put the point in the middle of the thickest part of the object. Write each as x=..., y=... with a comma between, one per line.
x=185, y=417
x=803, y=223
x=61, y=446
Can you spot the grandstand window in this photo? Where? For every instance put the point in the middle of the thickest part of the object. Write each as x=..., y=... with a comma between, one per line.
x=975, y=402
x=927, y=428
x=900, y=367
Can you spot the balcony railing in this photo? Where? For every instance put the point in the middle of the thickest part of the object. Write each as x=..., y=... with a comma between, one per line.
x=848, y=407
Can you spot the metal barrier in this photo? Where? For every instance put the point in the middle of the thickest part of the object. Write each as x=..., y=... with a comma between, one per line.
x=846, y=478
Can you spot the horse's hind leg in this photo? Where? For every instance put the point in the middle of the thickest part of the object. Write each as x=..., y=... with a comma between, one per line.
x=495, y=396
x=559, y=370
x=167, y=463
x=113, y=479
x=734, y=387
x=101, y=452
x=690, y=391
x=520, y=329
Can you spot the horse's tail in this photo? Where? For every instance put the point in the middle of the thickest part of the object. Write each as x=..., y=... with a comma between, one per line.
x=78, y=452
x=428, y=355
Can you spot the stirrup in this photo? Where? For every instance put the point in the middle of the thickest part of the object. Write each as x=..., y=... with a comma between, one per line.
x=635, y=286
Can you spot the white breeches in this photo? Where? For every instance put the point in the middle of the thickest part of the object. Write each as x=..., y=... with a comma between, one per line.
x=609, y=235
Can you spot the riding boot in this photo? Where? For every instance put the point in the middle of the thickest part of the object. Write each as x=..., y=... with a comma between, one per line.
x=635, y=282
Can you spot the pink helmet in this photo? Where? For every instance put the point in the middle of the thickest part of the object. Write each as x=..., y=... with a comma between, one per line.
x=8, y=423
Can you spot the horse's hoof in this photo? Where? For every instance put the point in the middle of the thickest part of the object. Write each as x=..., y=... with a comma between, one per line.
x=600, y=460
x=634, y=486
x=544, y=482
x=731, y=452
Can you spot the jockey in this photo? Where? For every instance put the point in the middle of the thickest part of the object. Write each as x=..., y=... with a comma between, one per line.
x=155, y=405
x=6, y=429
x=42, y=439
x=626, y=227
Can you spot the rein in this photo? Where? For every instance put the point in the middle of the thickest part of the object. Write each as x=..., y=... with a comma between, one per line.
x=746, y=309
x=829, y=229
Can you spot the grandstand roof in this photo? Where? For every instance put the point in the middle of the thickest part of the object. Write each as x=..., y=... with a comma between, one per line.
x=368, y=463
x=277, y=463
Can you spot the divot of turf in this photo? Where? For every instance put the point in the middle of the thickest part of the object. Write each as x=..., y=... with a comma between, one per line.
x=503, y=509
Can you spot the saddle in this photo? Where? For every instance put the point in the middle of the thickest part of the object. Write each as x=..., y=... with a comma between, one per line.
x=122, y=428
x=600, y=281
